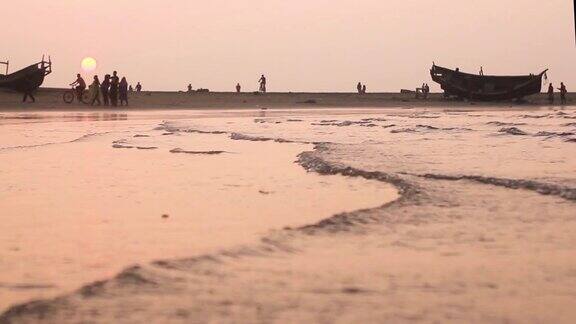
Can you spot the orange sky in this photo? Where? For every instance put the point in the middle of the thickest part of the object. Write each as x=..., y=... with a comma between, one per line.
x=313, y=45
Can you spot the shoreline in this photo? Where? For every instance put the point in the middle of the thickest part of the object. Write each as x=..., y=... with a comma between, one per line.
x=50, y=99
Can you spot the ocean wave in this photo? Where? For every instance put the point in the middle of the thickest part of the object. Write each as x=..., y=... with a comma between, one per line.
x=363, y=123
x=554, y=134
x=539, y=187
x=512, y=131
x=179, y=150
x=243, y=137
x=499, y=123
x=79, y=139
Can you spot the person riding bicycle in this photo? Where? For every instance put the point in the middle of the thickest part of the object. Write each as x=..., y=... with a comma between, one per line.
x=79, y=85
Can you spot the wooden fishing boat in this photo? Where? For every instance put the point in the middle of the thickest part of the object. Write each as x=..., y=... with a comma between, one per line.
x=27, y=79
x=486, y=87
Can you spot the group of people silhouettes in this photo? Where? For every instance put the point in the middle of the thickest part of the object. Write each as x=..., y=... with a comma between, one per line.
x=112, y=89
x=361, y=88
x=563, y=92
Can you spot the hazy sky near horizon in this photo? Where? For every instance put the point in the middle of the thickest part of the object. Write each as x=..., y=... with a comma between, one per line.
x=314, y=45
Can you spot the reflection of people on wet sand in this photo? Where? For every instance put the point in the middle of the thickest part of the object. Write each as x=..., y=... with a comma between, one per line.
x=262, y=84
x=123, y=90
x=238, y=88
x=563, y=92
x=79, y=85
x=94, y=90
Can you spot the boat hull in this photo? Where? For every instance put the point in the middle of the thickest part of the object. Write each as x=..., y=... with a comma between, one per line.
x=28, y=79
x=485, y=88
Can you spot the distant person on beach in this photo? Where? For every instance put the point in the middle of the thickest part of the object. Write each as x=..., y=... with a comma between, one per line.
x=130, y=88
x=481, y=71
x=138, y=87
x=79, y=85
x=262, y=84
x=363, y=89
x=550, y=93
x=114, y=83
x=359, y=87
x=123, y=91
x=28, y=93
x=189, y=87
x=238, y=88
x=105, y=89
x=563, y=92
x=425, y=90
x=94, y=91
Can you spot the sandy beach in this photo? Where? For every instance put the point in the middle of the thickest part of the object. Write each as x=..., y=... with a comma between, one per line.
x=51, y=99
x=417, y=215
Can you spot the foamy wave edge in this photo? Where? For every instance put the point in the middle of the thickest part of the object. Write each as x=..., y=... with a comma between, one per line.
x=157, y=272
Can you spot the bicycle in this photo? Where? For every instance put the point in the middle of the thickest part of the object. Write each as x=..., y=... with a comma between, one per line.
x=69, y=95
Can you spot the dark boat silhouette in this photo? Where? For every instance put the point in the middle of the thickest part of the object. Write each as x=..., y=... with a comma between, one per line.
x=486, y=87
x=27, y=79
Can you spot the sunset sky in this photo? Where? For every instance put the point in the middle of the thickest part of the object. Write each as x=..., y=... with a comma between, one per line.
x=313, y=45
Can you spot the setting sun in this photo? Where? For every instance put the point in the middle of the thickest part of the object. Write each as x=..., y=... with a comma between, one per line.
x=88, y=64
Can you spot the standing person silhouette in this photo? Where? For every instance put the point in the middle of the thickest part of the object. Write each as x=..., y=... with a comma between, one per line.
x=262, y=84
x=123, y=90
x=563, y=92
x=95, y=91
x=238, y=88
x=481, y=71
x=363, y=89
x=189, y=87
x=114, y=83
x=105, y=89
x=551, y=93
x=138, y=87
x=359, y=87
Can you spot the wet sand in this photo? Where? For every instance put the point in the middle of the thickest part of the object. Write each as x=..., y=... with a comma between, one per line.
x=483, y=230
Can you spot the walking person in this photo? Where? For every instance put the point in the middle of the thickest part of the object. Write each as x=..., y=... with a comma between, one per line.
x=105, y=89
x=94, y=91
x=563, y=92
x=262, y=84
x=359, y=87
x=550, y=94
x=28, y=93
x=123, y=90
x=114, y=83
